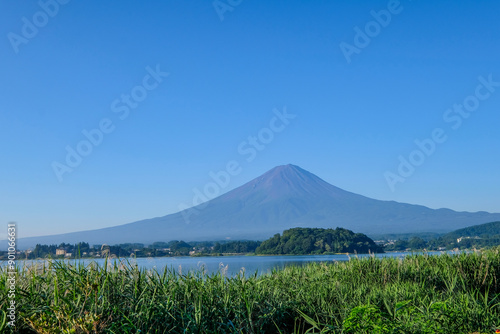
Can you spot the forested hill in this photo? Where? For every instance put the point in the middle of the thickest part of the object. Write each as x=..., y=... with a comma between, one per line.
x=478, y=236
x=483, y=230
x=318, y=241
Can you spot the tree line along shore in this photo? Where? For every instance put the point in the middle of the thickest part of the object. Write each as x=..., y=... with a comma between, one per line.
x=420, y=293
x=295, y=241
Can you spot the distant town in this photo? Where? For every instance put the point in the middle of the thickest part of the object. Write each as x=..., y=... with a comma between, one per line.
x=293, y=241
x=157, y=249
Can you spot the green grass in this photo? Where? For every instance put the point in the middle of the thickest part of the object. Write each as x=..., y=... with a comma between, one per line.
x=419, y=294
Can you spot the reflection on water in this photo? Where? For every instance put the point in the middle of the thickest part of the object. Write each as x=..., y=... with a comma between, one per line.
x=228, y=265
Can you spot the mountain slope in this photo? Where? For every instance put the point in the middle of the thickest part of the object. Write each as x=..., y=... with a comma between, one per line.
x=478, y=236
x=283, y=198
x=483, y=230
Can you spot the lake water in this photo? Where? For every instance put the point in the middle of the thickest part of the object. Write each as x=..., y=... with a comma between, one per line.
x=232, y=265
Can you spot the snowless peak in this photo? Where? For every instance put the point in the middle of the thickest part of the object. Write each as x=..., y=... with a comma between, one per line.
x=284, y=197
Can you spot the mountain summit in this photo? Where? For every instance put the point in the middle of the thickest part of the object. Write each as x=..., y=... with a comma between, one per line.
x=285, y=181
x=282, y=198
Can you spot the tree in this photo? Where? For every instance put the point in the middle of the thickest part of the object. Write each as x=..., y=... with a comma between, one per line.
x=317, y=241
x=417, y=243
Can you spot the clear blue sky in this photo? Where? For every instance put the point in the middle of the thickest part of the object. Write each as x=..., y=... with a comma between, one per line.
x=353, y=119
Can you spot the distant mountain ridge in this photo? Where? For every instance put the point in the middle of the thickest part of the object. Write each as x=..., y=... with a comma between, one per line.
x=285, y=197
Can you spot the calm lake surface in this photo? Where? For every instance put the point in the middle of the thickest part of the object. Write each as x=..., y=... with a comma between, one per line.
x=230, y=265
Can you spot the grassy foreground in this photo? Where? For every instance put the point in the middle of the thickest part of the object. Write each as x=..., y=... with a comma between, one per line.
x=420, y=294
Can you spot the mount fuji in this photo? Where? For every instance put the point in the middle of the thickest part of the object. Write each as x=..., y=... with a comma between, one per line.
x=285, y=197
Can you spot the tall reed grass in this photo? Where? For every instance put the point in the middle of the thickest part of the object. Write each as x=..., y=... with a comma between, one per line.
x=418, y=294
